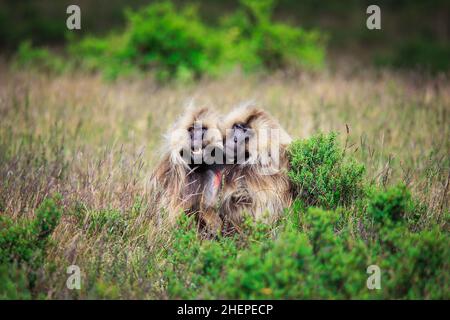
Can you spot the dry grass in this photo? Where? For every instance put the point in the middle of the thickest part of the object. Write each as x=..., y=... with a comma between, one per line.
x=96, y=142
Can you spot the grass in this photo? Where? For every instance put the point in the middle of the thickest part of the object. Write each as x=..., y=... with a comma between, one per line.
x=95, y=144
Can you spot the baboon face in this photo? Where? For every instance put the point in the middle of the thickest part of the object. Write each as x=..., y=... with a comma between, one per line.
x=196, y=141
x=238, y=141
x=250, y=135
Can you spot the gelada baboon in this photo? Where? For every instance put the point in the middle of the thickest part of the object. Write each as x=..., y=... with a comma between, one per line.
x=188, y=176
x=255, y=174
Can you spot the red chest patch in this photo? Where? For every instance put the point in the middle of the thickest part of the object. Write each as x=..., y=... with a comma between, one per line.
x=217, y=178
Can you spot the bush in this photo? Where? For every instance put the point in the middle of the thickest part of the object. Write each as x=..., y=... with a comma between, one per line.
x=175, y=43
x=112, y=221
x=25, y=241
x=260, y=42
x=390, y=205
x=23, y=244
x=192, y=264
x=321, y=173
x=312, y=261
x=40, y=59
x=47, y=218
x=14, y=284
x=94, y=53
x=415, y=263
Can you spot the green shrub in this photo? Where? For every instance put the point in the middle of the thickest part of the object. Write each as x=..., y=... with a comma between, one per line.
x=109, y=221
x=416, y=264
x=260, y=42
x=175, y=43
x=47, y=218
x=112, y=221
x=390, y=205
x=24, y=241
x=94, y=53
x=192, y=264
x=299, y=265
x=314, y=260
x=23, y=244
x=171, y=42
x=321, y=173
x=40, y=59
x=14, y=283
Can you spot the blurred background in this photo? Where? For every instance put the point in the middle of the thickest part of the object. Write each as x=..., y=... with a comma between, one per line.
x=415, y=33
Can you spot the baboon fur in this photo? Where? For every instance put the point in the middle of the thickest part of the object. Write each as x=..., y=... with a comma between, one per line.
x=180, y=186
x=253, y=187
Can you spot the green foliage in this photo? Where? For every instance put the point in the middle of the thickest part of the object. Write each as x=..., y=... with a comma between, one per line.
x=95, y=53
x=175, y=43
x=192, y=263
x=109, y=221
x=260, y=42
x=25, y=241
x=113, y=222
x=417, y=263
x=13, y=283
x=390, y=205
x=40, y=59
x=23, y=245
x=315, y=263
x=47, y=218
x=314, y=260
x=321, y=173
x=171, y=42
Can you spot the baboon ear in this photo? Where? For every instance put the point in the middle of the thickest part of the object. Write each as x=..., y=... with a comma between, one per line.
x=212, y=186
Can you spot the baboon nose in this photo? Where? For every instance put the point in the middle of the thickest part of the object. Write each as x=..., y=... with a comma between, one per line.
x=235, y=139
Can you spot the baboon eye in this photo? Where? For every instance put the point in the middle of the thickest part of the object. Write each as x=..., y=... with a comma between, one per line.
x=240, y=126
x=192, y=128
x=195, y=130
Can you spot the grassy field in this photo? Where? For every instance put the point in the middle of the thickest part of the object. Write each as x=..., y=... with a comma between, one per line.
x=95, y=143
